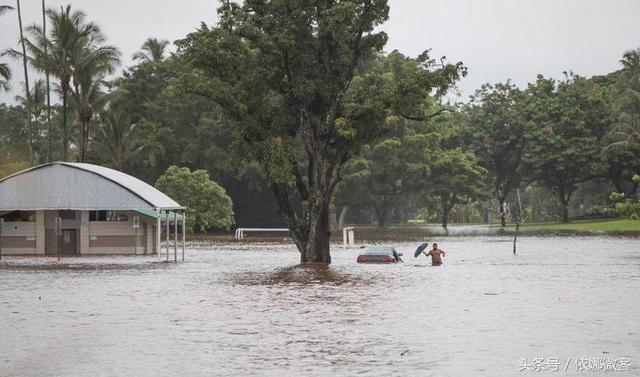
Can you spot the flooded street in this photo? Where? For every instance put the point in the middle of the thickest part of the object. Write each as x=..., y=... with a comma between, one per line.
x=244, y=310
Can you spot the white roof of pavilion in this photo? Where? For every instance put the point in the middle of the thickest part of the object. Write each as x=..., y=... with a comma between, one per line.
x=79, y=186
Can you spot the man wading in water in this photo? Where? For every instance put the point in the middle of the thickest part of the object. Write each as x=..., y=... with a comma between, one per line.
x=435, y=253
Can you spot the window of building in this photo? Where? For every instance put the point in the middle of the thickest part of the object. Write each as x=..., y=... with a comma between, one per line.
x=67, y=215
x=17, y=216
x=107, y=216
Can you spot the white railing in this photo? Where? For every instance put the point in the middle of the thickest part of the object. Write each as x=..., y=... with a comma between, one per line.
x=240, y=231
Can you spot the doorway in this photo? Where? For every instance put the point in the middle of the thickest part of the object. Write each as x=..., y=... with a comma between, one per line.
x=69, y=242
x=62, y=231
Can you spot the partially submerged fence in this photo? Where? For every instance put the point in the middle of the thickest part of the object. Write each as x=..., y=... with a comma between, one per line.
x=240, y=231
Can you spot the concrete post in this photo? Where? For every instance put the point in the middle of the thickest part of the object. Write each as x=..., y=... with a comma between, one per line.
x=184, y=232
x=175, y=236
x=167, y=235
x=40, y=233
x=84, y=232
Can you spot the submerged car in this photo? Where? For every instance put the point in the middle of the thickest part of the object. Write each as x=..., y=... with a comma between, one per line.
x=379, y=254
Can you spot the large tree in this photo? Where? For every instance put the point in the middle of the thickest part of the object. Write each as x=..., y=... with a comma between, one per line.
x=390, y=175
x=289, y=74
x=626, y=129
x=456, y=178
x=120, y=140
x=208, y=205
x=622, y=152
x=498, y=135
x=570, y=119
x=35, y=105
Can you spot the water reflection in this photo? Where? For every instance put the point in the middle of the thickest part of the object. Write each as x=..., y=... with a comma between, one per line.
x=25, y=265
x=301, y=274
x=235, y=310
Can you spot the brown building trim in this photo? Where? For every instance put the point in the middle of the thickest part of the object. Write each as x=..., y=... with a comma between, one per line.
x=18, y=242
x=117, y=241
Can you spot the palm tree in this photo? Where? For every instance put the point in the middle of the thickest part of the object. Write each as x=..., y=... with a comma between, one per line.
x=626, y=129
x=36, y=102
x=38, y=96
x=26, y=78
x=152, y=50
x=44, y=31
x=122, y=140
x=5, y=76
x=67, y=53
x=93, y=62
x=631, y=60
x=5, y=8
x=5, y=72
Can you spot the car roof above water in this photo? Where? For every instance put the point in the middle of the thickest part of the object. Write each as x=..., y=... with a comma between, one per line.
x=377, y=250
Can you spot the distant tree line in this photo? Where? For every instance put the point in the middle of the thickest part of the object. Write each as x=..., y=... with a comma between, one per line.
x=394, y=151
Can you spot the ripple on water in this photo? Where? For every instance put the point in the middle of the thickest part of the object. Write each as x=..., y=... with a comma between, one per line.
x=245, y=310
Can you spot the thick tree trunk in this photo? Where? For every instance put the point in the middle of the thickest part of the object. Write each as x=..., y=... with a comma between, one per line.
x=316, y=249
x=311, y=232
x=381, y=214
x=565, y=212
x=445, y=219
x=565, y=198
x=445, y=215
x=447, y=206
x=310, y=227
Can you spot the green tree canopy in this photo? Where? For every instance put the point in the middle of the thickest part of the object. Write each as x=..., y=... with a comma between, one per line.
x=456, y=178
x=208, y=205
x=628, y=207
x=570, y=119
x=152, y=50
x=293, y=78
x=498, y=135
x=73, y=52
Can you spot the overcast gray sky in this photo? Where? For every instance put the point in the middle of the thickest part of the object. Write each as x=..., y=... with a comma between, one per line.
x=496, y=39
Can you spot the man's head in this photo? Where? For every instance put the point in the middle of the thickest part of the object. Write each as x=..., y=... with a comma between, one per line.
x=435, y=246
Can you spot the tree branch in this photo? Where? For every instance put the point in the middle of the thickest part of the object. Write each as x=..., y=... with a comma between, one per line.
x=422, y=118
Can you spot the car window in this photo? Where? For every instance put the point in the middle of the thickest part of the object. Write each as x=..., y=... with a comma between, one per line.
x=377, y=250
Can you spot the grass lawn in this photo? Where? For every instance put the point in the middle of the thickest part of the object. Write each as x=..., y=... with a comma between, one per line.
x=616, y=225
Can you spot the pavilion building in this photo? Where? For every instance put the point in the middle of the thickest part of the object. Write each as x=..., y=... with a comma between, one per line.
x=64, y=208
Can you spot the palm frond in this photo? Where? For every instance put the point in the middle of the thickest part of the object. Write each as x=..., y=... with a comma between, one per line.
x=5, y=8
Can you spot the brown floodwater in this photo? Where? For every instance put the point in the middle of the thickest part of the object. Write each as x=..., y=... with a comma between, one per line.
x=249, y=310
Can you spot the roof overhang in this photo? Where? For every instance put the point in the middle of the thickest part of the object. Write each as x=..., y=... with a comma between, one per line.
x=76, y=186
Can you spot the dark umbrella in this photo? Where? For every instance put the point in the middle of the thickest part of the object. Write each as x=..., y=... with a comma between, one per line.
x=420, y=249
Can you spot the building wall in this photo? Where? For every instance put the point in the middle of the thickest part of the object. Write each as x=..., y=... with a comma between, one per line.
x=93, y=237
x=18, y=238
x=119, y=237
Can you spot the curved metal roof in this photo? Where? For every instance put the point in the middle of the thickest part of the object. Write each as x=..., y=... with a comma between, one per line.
x=79, y=186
